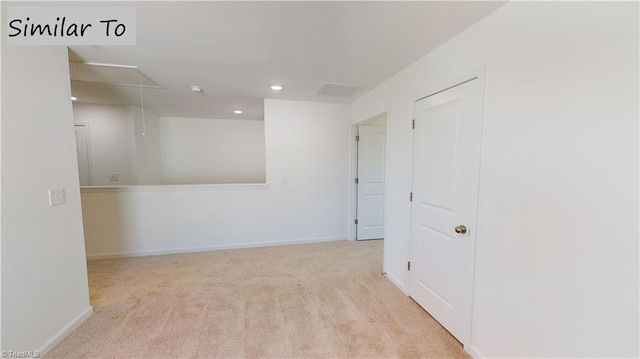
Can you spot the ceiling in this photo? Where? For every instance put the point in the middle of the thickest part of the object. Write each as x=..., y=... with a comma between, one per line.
x=236, y=50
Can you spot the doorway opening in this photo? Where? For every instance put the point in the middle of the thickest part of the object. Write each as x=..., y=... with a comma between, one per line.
x=369, y=178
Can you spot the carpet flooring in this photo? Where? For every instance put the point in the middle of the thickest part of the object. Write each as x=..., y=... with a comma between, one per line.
x=322, y=300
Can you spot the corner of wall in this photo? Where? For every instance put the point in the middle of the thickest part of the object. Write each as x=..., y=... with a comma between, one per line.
x=44, y=276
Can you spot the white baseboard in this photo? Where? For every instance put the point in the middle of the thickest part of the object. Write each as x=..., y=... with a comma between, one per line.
x=211, y=248
x=66, y=330
x=473, y=352
x=397, y=283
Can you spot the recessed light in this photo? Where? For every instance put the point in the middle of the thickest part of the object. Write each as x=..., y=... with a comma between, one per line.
x=73, y=98
x=196, y=89
x=277, y=87
x=237, y=112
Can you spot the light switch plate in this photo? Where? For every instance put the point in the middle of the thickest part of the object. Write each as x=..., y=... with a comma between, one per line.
x=56, y=197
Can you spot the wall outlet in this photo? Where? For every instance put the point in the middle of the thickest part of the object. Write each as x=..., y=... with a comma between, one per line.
x=56, y=197
x=114, y=176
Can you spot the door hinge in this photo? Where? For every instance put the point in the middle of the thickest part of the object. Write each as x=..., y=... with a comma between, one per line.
x=408, y=265
x=355, y=221
x=413, y=124
x=357, y=180
x=410, y=196
x=357, y=138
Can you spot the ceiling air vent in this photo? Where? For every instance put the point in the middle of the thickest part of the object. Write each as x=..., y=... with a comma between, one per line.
x=335, y=89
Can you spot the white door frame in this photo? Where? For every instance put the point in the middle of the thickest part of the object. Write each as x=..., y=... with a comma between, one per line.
x=478, y=73
x=353, y=173
x=87, y=132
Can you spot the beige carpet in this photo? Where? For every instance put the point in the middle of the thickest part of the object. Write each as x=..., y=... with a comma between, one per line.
x=325, y=300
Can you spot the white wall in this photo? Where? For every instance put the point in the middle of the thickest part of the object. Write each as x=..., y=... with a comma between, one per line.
x=557, y=239
x=113, y=142
x=44, y=274
x=201, y=151
x=0, y=209
x=147, y=141
x=304, y=200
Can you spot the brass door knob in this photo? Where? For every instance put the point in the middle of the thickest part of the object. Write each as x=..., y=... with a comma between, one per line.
x=461, y=229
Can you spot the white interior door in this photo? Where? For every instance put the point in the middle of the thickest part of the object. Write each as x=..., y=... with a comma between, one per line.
x=370, y=208
x=82, y=145
x=445, y=191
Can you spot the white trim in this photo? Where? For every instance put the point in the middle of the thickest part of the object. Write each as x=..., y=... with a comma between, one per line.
x=476, y=72
x=481, y=73
x=380, y=116
x=211, y=248
x=66, y=330
x=174, y=188
x=352, y=194
x=473, y=352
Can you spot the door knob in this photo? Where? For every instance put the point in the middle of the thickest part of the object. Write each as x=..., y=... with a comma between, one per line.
x=462, y=229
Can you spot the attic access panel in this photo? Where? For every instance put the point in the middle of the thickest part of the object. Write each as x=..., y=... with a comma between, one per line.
x=116, y=75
